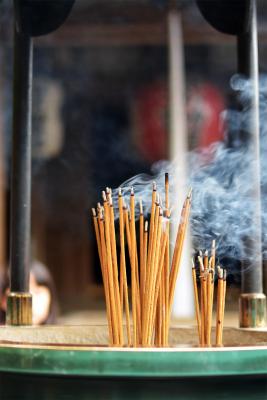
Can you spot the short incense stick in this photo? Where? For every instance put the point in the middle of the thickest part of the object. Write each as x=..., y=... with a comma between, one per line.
x=224, y=299
x=197, y=311
x=220, y=305
x=204, y=310
x=202, y=301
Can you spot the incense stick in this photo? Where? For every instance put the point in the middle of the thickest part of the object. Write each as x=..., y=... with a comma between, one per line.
x=220, y=296
x=123, y=276
x=115, y=266
x=114, y=305
x=194, y=276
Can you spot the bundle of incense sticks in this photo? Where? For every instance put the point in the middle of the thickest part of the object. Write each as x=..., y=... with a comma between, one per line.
x=153, y=277
x=204, y=299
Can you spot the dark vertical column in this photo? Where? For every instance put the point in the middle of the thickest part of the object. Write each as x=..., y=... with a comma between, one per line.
x=21, y=164
x=252, y=280
x=252, y=302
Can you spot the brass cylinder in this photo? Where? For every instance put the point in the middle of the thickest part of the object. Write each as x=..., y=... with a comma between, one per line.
x=19, y=309
x=252, y=310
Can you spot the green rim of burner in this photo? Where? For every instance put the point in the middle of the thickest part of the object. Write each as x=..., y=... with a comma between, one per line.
x=252, y=310
x=165, y=363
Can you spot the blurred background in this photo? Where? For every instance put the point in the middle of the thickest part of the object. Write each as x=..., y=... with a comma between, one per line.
x=101, y=114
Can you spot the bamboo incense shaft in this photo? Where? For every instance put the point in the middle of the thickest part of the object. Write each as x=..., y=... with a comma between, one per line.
x=133, y=268
x=150, y=270
x=161, y=308
x=209, y=308
x=114, y=304
x=135, y=275
x=154, y=273
x=97, y=236
x=220, y=295
x=202, y=301
x=222, y=307
x=160, y=269
x=141, y=255
x=151, y=228
x=115, y=266
x=127, y=227
x=166, y=270
x=213, y=261
x=206, y=260
x=197, y=311
x=111, y=323
x=206, y=301
x=129, y=242
x=124, y=288
x=102, y=260
x=144, y=267
x=166, y=273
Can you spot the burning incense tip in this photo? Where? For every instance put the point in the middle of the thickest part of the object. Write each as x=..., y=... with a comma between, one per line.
x=107, y=190
x=110, y=202
x=193, y=263
x=146, y=226
x=220, y=272
x=154, y=186
x=166, y=178
x=120, y=193
x=141, y=206
x=206, y=253
x=201, y=263
x=224, y=274
x=213, y=244
x=93, y=212
x=132, y=191
x=104, y=196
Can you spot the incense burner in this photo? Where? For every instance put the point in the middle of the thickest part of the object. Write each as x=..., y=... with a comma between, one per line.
x=74, y=359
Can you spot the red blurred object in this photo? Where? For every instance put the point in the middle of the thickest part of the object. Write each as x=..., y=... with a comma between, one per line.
x=204, y=106
x=205, y=103
x=150, y=121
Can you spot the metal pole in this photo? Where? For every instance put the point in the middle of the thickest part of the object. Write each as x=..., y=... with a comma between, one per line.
x=252, y=300
x=19, y=300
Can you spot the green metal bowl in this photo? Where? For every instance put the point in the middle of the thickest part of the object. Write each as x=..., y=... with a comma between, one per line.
x=80, y=371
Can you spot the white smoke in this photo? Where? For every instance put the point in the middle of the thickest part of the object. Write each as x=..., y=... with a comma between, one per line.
x=224, y=205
